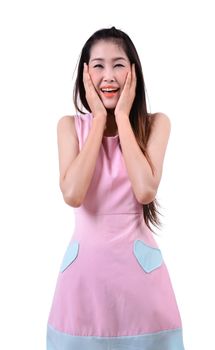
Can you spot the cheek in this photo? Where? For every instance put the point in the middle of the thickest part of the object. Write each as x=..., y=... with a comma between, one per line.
x=122, y=77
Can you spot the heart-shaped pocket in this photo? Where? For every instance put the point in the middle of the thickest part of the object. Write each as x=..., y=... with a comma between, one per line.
x=70, y=255
x=148, y=257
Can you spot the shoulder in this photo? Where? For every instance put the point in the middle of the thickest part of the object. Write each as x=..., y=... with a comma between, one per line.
x=77, y=119
x=160, y=117
x=66, y=123
x=160, y=128
x=66, y=119
x=161, y=121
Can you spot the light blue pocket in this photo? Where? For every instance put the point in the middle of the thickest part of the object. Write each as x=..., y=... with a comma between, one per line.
x=148, y=257
x=70, y=255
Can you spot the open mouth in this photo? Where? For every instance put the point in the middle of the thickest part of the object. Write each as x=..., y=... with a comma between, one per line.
x=109, y=92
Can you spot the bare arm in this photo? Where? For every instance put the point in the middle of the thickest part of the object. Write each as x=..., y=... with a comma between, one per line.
x=76, y=168
x=144, y=182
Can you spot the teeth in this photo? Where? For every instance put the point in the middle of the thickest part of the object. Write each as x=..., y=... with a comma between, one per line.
x=109, y=89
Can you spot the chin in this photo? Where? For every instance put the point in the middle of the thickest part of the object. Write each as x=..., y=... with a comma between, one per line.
x=110, y=105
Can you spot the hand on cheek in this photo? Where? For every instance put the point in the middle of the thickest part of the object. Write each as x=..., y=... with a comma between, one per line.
x=92, y=97
x=127, y=96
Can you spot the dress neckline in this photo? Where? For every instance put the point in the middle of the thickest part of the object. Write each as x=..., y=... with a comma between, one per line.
x=106, y=137
x=111, y=137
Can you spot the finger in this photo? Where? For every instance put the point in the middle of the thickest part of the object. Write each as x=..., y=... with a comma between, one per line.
x=88, y=83
x=134, y=78
x=128, y=80
x=133, y=71
x=86, y=77
x=85, y=72
x=84, y=69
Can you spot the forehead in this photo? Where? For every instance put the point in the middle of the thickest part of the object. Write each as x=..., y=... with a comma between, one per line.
x=107, y=50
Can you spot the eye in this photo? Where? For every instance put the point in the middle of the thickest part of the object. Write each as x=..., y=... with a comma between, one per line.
x=116, y=65
x=97, y=65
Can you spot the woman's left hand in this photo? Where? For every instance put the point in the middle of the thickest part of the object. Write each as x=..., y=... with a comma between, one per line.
x=127, y=96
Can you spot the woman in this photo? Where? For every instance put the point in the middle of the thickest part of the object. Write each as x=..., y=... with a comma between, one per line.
x=113, y=289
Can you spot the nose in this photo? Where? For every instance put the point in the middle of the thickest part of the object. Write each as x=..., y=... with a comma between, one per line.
x=108, y=75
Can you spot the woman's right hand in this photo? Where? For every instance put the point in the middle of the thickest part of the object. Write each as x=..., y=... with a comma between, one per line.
x=95, y=103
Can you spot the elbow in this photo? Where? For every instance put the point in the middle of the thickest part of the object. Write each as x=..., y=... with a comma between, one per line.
x=147, y=197
x=70, y=198
x=72, y=201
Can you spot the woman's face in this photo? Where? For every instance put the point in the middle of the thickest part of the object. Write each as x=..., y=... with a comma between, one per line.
x=108, y=68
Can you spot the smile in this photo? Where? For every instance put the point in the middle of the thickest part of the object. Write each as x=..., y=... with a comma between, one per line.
x=109, y=92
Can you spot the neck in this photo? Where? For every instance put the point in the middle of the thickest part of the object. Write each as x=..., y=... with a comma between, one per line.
x=111, y=126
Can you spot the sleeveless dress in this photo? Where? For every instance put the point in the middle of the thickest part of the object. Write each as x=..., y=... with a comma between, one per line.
x=113, y=289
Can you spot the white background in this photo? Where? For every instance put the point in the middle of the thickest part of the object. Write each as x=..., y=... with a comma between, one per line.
x=40, y=46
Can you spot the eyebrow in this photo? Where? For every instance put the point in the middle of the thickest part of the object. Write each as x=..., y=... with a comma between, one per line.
x=114, y=59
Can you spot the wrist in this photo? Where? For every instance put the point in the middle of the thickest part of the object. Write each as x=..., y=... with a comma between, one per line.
x=100, y=120
x=121, y=116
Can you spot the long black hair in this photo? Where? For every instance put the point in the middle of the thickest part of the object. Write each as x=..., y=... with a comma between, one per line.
x=141, y=121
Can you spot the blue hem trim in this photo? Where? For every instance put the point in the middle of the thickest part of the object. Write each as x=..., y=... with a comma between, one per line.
x=163, y=340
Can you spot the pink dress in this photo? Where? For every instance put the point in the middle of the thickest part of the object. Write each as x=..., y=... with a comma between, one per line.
x=113, y=290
